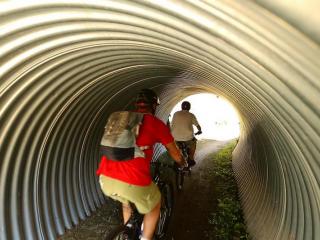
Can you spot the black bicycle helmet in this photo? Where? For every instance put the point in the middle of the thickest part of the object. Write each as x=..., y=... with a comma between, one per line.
x=147, y=97
x=185, y=105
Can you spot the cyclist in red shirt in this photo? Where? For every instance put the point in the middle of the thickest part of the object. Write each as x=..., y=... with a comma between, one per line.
x=131, y=181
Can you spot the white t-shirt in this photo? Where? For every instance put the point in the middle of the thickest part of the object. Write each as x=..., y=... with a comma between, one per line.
x=182, y=125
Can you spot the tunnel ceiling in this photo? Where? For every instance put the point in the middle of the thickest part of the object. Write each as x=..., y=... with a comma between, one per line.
x=66, y=65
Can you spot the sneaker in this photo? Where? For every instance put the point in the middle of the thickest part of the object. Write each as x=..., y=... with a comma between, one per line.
x=191, y=163
x=186, y=169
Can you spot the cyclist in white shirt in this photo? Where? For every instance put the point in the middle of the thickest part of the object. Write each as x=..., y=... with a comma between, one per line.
x=182, y=128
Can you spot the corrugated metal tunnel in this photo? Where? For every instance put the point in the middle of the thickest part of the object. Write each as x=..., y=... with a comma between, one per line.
x=65, y=65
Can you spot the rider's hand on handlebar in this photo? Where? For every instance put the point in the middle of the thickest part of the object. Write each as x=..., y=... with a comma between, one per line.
x=183, y=165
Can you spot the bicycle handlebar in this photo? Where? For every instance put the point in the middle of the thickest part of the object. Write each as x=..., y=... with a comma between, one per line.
x=198, y=133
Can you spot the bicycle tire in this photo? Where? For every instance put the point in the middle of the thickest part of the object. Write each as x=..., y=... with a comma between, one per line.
x=179, y=180
x=165, y=211
x=121, y=233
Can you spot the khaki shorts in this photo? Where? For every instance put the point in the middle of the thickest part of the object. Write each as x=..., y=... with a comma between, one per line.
x=190, y=144
x=145, y=198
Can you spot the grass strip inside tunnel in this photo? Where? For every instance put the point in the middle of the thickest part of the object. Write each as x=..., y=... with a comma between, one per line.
x=228, y=219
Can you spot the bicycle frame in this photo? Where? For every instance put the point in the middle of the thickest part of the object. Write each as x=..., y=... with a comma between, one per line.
x=184, y=149
x=180, y=175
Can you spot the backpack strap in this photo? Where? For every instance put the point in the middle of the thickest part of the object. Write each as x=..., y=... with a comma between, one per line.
x=120, y=154
x=142, y=148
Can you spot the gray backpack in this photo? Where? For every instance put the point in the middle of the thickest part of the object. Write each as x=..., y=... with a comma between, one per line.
x=119, y=139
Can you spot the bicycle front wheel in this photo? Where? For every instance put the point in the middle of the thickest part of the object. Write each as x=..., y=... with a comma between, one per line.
x=122, y=233
x=165, y=211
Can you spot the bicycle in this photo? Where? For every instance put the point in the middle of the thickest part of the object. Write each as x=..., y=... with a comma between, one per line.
x=181, y=172
x=185, y=152
x=133, y=228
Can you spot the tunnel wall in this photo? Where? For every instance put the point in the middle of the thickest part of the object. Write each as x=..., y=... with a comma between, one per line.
x=66, y=65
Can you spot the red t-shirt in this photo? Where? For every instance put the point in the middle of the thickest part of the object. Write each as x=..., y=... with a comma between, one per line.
x=137, y=170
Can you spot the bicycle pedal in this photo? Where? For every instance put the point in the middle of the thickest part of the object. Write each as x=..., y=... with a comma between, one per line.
x=128, y=234
x=124, y=236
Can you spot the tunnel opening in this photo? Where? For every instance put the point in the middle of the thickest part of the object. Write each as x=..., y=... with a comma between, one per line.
x=218, y=118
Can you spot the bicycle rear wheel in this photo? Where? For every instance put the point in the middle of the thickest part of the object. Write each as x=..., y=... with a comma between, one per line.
x=179, y=179
x=165, y=211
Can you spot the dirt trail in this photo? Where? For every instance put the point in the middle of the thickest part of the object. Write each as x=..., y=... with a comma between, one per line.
x=196, y=203
x=192, y=210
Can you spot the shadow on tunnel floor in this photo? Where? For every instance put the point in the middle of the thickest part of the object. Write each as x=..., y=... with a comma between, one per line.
x=98, y=225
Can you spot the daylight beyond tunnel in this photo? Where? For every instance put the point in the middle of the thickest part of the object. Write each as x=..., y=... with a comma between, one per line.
x=216, y=116
x=66, y=65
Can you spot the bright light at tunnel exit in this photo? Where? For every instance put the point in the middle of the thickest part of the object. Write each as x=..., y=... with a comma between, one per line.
x=216, y=116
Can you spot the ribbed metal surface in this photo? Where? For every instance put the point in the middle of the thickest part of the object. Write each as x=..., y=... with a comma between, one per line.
x=65, y=65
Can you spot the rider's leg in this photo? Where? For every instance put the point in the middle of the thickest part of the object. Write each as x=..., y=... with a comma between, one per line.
x=115, y=190
x=192, y=149
x=126, y=212
x=143, y=238
x=150, y=221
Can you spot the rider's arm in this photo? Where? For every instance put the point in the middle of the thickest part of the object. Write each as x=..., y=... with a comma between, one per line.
x=176, y=154
x=199, y=130
x=196, y=123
